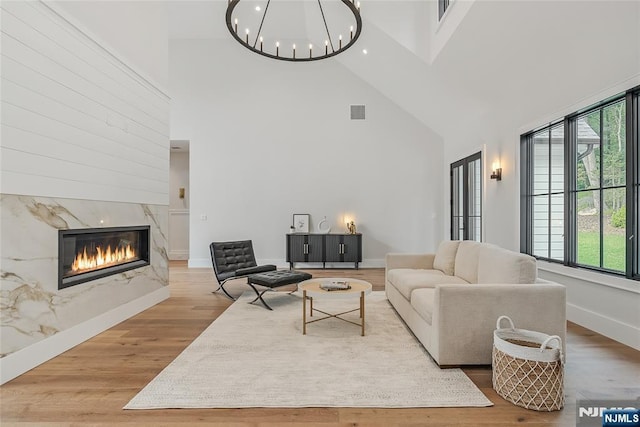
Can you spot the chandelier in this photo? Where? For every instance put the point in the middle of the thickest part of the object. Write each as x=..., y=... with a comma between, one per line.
x=264, y=42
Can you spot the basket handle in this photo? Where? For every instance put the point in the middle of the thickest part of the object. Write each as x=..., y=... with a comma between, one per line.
x=510, y=322
x=551, y=338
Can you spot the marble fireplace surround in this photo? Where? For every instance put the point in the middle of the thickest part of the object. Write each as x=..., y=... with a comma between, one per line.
x=37, y=320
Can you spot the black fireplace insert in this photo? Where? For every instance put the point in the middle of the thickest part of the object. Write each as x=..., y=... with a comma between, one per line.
x=90, y=253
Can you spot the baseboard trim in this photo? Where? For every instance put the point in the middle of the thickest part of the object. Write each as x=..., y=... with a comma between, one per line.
x=612, y=328
x=179, y=254
x=367, y=263
x=21, y=361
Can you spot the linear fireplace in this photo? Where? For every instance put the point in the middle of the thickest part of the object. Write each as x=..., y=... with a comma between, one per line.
x=91, y=253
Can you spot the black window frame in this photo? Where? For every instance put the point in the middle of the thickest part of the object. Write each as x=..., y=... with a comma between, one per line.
x=443, y=6
x=526, y=188
x=464, y=163
x=632, y=186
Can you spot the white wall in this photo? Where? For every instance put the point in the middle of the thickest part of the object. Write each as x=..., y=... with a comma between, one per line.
x=179, y=208
x=269, y=139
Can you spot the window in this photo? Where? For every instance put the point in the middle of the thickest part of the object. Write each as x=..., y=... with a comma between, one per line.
x=579, y=181
x=600, y=187
x=548, y=193
x=443, y=5
x=466, y=198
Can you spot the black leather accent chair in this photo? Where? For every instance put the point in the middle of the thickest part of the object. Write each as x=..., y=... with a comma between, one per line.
x=233, y=260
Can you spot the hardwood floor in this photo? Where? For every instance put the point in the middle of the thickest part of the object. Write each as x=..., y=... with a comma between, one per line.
x=89, y=384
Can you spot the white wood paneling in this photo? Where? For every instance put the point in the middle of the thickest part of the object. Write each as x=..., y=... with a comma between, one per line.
x=76, y=121
x=66, y=37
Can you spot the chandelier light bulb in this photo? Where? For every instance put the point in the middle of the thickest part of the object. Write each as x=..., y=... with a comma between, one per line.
x=236, y=25
x=351, y=30
x=340, y=47
x=358, y=5
x=326, y=47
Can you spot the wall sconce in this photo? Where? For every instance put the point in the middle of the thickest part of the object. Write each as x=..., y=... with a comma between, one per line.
x=181, y=193
x=497, y=172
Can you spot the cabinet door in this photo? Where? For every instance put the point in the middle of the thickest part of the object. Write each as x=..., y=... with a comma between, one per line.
x=344, y=247
x=295, y=247
x=304, y=248
x=351, y=250
x=333, y=248
x=315, y=248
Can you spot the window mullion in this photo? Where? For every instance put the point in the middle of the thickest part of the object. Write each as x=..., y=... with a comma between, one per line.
x=526, y=219
x=631, y=123
x=600, y=189
x=549, y=198
x=570, y=170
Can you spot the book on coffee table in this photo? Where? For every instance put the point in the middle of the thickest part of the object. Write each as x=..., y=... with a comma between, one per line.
x=337, y=285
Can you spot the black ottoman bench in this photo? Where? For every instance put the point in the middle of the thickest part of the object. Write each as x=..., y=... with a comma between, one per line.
x=274, y=279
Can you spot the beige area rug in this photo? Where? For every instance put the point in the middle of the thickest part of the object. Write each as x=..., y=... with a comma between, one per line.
x=253, y=357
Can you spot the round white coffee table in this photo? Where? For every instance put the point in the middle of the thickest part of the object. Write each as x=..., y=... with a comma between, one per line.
x=311, y=289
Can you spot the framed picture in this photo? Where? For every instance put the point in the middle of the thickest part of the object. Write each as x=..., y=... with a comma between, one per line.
x=300, y=223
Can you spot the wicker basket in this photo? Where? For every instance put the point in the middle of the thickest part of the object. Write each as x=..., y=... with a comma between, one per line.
x=528, y=370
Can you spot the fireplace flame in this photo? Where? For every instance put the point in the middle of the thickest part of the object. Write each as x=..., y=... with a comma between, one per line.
x=102, y=258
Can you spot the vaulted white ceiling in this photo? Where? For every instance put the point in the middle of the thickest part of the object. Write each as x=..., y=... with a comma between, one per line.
x=502, y=62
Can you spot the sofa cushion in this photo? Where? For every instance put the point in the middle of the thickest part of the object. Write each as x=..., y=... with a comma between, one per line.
x=467, y=260
x=406, y=280
x=445, y=258
x=399, y=274
x=422, y=303
x=497, y=265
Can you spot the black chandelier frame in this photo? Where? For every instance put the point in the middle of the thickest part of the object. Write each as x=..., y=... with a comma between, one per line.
x=329, y=49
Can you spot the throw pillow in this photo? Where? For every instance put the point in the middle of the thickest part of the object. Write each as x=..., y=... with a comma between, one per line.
x=445, y=258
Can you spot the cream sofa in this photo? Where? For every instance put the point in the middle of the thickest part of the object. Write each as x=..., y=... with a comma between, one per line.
x=451, y=299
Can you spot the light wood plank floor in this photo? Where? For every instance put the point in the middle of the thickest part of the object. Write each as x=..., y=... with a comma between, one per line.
x=89, y=384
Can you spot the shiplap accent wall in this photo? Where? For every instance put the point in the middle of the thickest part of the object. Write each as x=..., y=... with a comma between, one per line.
x=76, y=121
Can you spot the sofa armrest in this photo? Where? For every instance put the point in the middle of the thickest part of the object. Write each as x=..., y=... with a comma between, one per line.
x=464, y=317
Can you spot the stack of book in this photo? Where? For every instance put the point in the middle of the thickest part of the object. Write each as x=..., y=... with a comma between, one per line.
x=337, y=285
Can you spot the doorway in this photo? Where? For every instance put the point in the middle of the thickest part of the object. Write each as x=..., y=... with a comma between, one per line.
x=466, y=198
x=179, y=200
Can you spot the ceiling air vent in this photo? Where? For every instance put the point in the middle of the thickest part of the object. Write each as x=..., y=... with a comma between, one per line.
x=357, y=112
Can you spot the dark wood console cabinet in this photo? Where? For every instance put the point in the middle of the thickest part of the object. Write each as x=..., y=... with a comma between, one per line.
x=324, y=248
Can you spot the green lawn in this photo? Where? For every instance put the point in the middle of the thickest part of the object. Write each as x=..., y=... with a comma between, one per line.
x=614, y=250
